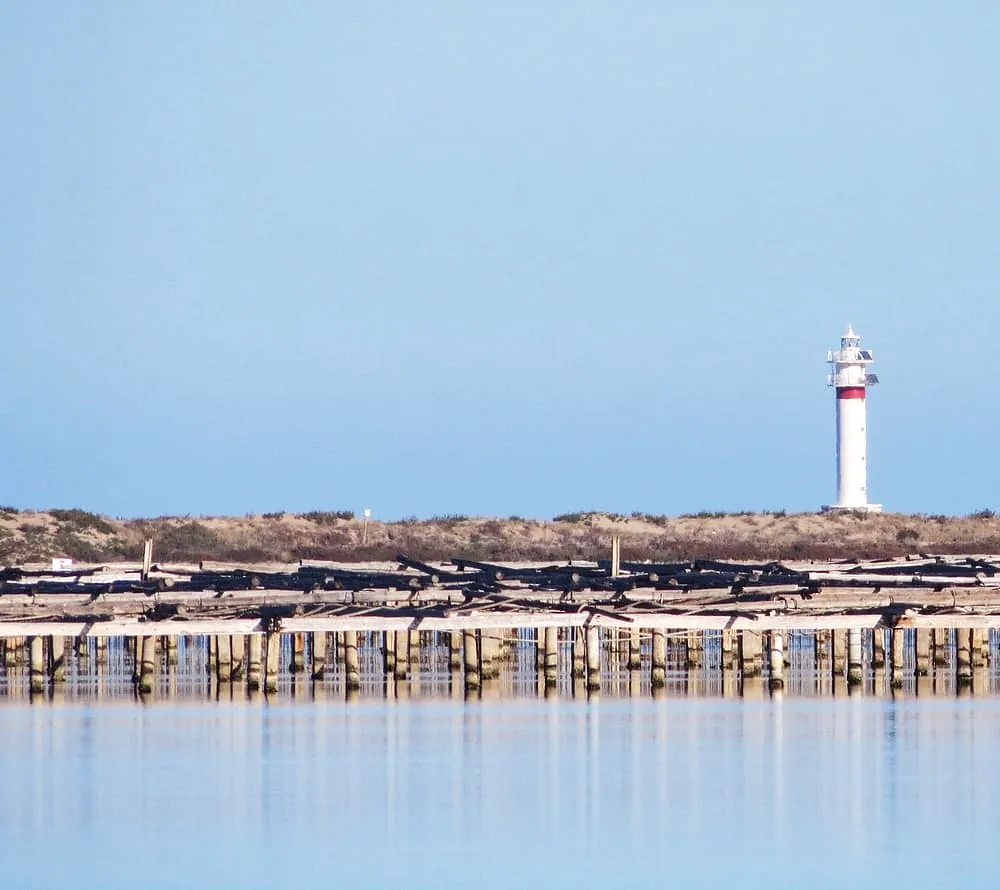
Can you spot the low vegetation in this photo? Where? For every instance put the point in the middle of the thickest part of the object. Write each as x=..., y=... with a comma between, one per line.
x=28, y=536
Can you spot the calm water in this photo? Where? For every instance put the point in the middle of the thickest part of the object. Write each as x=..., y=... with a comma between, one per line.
x=783, y=792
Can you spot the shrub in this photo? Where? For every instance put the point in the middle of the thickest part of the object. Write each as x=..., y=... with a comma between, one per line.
x=327, y=517
x=983, y=514
x=80, y=520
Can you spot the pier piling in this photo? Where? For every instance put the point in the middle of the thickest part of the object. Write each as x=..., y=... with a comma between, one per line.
x=963, y=655
x=750, y=653
x=254, y=647
x=272, y=654
x=593, y=658
x=551, y=669
x=855, y=664
x=319, y=655
x=352, y=664
x=658, y=673
x=36, y=664
x=147, y=664
x=777, y=661
x=470, y=655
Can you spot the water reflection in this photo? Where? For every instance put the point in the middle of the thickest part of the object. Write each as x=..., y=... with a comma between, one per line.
x=784, y=791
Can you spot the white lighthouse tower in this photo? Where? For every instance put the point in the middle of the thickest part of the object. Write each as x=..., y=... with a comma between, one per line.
x=850, y=380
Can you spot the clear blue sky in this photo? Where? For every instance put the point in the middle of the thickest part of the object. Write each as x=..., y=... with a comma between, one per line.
x=494, y=258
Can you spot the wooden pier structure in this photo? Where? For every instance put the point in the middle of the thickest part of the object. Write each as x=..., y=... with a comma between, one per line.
x=906, y=617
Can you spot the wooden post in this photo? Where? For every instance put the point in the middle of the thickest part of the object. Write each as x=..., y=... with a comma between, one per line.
x=352, y=665
x=658, y=675
x=898, y=638
x=854, y=657
x=36, y=664
x=272, y=654
x=470, y=655
x=551, y=669
x=616, y=556
x=750, y=645
x=224, y=659
x=776, y=658
x=593, y=657
x=147, y=664
x=147, y=558
x=963, y=655
x=634, y=650
x=923, y=651
x=254, y=646
x=455, y=651
x=319, y=654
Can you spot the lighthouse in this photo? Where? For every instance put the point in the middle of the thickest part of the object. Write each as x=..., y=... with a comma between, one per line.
x=850, y=380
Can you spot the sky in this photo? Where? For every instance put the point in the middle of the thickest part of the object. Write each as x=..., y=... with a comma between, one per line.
x=493, y=259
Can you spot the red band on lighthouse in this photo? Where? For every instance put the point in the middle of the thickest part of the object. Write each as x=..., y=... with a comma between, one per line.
x=850, y=392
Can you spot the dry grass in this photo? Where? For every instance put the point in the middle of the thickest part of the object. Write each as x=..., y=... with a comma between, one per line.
x=285, y=537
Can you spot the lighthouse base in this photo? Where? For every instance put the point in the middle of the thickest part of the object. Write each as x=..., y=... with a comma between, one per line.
x=857, y=508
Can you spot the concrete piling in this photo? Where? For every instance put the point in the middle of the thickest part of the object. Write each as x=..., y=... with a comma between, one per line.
x=298, y=663
x=940, y=643
x=855, y=665
x=470, y=656
x=839, y=638
x=319, y=655
x=922, y=651
x=897, y=646
x=658, y=673
x=352, y=663
x=776, y=659
x=579, y=652
x=224, y=658
x=750, y=653
x=401, y=662
x=963, y=655
x=695, y=649
x=272, y=654
x=147, y=664
x=593, y=657
x=980, y=647
x=62, y=647
x=413, y=651
x=489, y=655
x=389, y=652
x=878, y=648
x=634, y=650
x=728, y=661
x=551, y=668
x=236, y=644
x=254, y=654
x=36, y=664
